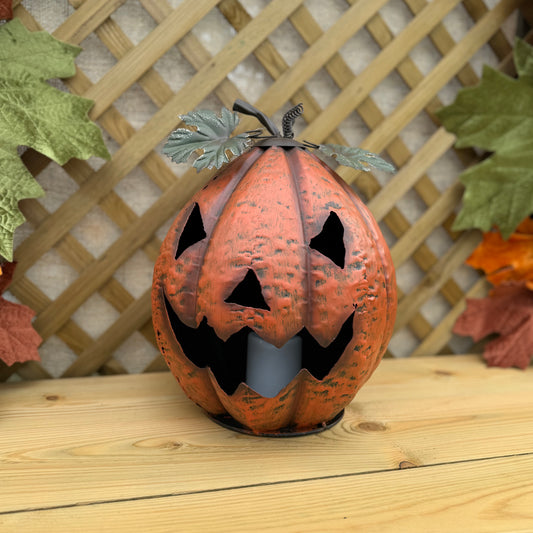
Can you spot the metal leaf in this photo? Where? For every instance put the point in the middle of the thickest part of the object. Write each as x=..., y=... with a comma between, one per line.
x=211, y=137
x=356, y=158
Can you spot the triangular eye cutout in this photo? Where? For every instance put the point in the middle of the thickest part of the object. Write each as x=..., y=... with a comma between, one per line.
x=192, y=232
x=330, y=241
x=248, y=293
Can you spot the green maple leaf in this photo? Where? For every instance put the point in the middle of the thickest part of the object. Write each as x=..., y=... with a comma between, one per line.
x=356, y=157
x=37, y=115
x=211, y=136
x=497, y=116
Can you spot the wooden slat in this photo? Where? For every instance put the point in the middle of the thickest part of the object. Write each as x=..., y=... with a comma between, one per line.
x=441, y=334
x=322, y=58
x=140, y=144
x=106, y=440
x=137, y=61
x=399, y=184
x=482, y=492
x=86, y=19
x=436, y=276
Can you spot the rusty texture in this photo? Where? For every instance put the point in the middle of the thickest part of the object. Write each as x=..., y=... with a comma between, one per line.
x=261, y=213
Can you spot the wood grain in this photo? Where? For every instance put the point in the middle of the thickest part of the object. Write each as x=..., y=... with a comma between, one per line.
x=91, y=439
x=113, y=452
x=477, y=496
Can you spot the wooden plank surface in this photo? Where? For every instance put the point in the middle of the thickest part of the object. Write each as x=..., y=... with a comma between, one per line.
x=109, y=453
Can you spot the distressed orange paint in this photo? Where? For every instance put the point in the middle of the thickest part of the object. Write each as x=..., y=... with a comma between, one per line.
x=261, y=213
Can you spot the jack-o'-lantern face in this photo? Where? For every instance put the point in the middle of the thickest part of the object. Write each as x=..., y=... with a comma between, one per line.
x=279, y=245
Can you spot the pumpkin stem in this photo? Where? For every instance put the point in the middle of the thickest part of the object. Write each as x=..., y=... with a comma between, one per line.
x=288, y=120
x=247, y=109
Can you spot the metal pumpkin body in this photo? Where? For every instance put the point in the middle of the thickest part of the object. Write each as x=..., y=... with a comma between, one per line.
x=277, y=244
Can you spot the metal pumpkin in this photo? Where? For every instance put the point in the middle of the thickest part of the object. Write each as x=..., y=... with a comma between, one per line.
x=274, y=294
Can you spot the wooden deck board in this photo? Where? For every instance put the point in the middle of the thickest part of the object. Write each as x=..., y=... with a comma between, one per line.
x=109, y=453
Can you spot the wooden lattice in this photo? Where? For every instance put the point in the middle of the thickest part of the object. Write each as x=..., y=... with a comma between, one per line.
x=212, y=77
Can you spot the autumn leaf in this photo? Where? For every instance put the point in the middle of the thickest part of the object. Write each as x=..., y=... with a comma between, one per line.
x=507, y=311
x=356, y=158
x=18, y=339
x=211, y=136
x=6, y=10
x=37, y=115
x=504, y=261
x=496, y=116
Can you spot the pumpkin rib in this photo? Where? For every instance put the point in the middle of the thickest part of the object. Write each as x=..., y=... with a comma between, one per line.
x=222, y=200
x=293, y=162
x=389, y=281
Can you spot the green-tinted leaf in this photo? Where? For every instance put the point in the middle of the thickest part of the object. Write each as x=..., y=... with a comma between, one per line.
x=523, y=58
x=356, y=157
x=50, y=121
x=34, y=53
x=211, y=136
x=499, y=191
x=16, y=183
x=37, y=115
x=495, y=115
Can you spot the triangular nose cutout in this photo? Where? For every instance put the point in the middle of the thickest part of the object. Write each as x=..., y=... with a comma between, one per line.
x=330, y=240
x=248, y=293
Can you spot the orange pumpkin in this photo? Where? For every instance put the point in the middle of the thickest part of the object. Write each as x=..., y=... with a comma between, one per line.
x=280, y=245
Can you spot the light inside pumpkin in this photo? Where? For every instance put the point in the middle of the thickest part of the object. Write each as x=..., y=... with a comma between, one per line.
x=237, y=359
x=228, y=359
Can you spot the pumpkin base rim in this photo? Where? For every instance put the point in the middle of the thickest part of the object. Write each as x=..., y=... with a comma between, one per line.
x=227, y=421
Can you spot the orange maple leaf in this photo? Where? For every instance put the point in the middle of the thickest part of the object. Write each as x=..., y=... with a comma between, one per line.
x=504, y=261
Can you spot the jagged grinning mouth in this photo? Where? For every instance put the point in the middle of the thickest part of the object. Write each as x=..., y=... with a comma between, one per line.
x=227, y=359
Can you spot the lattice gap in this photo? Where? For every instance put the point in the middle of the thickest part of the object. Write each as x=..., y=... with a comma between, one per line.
x=56, y=356
x=214, y=32
x=49, y=14
x=443, y=173
x=326, y=12
x=57, y=269
x=95, y=315
x=425, y=56
x=135, y=106
x=95, y=60
x=435, y=309
x=135, y=275
x=408, y=276
x=389, y=94
x=58, y=186
x=52, y=274
x=138, y=191
x=465, y=277
x=403, y=343
x=322, y=88
x=396, y=15
x=417, y=132
x=354, y=130
x=439, y=242
x=250, y=78
x=135, y=22
x=135, y=353
x=359, y=51
x=174, y=69
x=96, y=232
x=288, y=42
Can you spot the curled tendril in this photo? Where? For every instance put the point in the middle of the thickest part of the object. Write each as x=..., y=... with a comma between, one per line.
x=288, y=120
